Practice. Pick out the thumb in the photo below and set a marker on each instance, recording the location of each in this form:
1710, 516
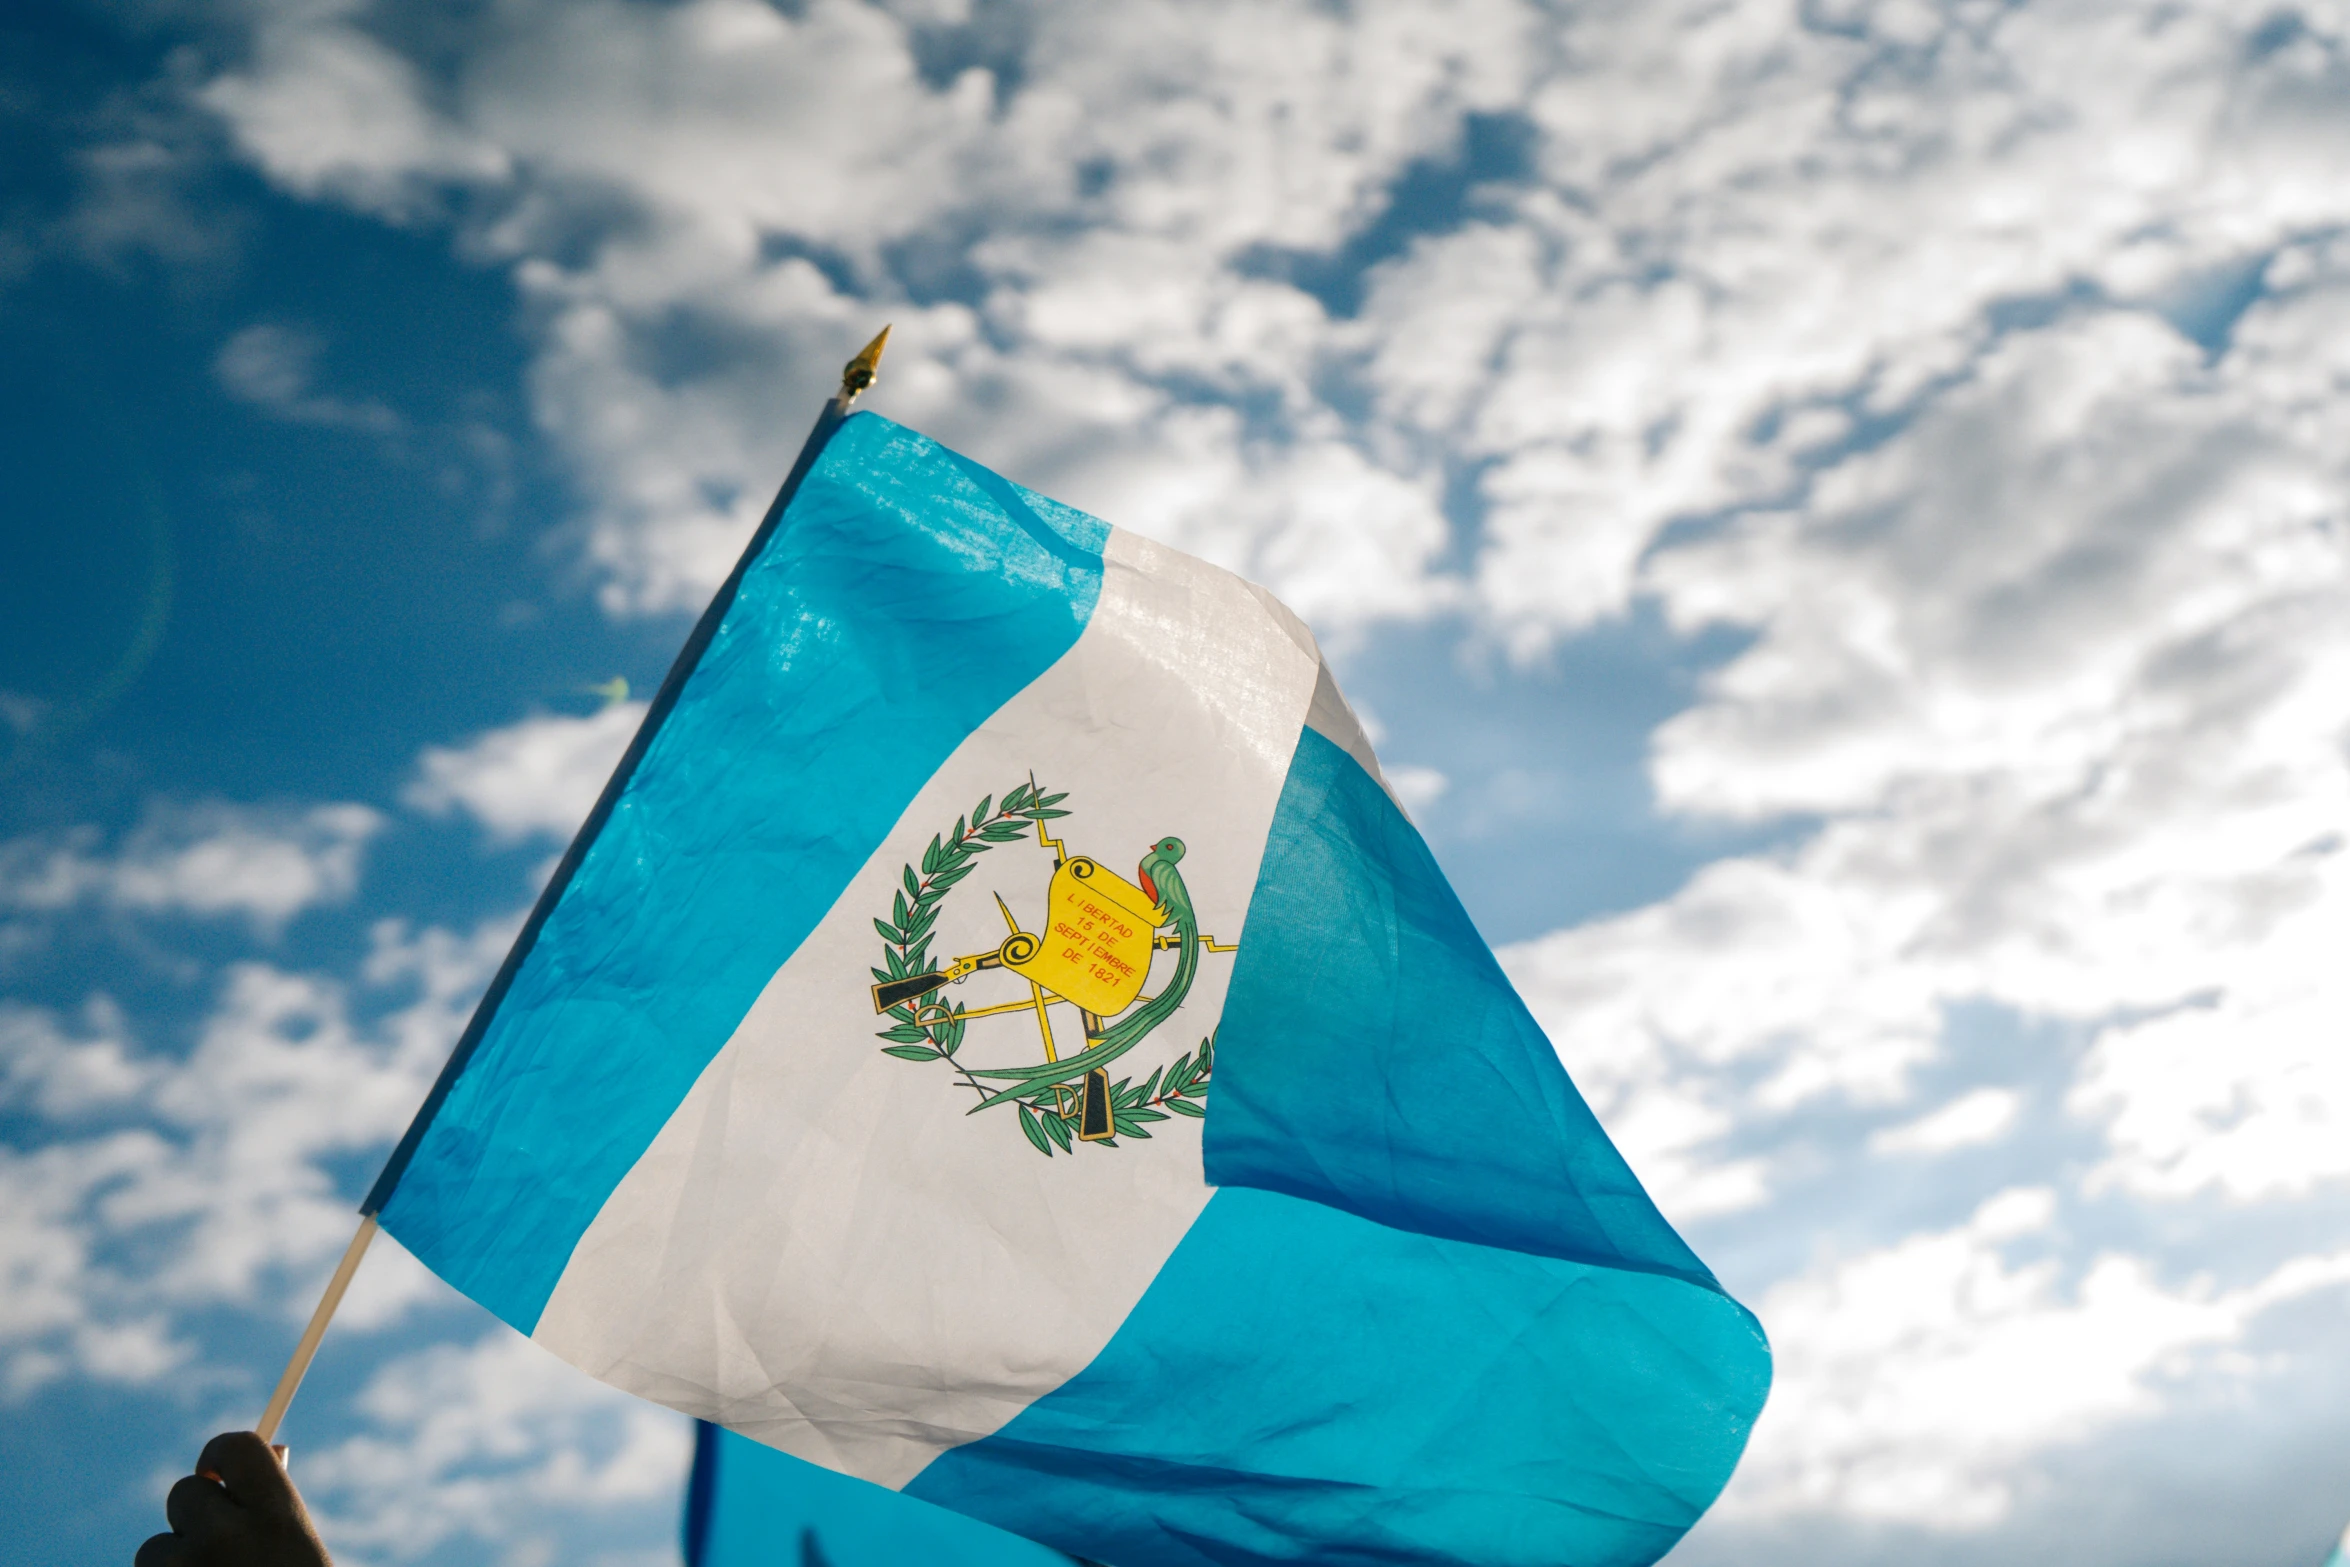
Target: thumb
252, 1474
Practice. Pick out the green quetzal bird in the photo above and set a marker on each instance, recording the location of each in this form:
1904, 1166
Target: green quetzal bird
1163, 884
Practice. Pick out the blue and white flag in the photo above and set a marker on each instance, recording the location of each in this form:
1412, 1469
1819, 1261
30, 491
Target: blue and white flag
999, 1037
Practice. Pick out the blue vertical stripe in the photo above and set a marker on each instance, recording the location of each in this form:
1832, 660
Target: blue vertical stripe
1374, 1056
904, 597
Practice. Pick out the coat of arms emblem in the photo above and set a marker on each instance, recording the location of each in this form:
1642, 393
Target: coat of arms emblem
1090, 955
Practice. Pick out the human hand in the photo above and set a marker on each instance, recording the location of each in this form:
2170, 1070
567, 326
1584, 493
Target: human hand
239, 1509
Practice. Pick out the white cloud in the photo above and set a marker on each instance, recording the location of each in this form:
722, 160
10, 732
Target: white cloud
50, 1322
1983, 1116
507, 1442
274, 368
541, 775
60, 1071
1915, 1382
1761, 986
327, 108
1418, 787
707, 146
2060, 669
144, 1191
146, 1187
1776, 227
2248, 1096
209, 860
1743, 229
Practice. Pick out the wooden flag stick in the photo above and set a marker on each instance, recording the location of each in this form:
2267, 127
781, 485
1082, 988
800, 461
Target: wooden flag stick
308, 1347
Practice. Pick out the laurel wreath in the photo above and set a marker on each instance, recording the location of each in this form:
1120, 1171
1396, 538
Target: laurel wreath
933, 1030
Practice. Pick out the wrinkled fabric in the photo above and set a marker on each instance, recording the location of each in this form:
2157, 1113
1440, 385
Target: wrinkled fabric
1382, 1292
900, 603
1430, 1314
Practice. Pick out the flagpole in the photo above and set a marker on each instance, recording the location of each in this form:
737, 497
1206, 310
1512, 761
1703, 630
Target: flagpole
307, 1346
855, 377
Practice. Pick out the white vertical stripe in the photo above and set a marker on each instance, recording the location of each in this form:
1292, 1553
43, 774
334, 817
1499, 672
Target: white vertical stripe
821, 1249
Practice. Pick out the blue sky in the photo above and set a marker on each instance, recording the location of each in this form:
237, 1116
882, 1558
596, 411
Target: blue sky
1835, 512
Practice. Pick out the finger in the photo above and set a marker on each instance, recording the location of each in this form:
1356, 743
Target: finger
198, 1508
254, 1477
162, 1550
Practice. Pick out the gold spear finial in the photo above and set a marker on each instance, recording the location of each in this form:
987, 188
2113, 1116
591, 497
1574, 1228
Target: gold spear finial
859, 372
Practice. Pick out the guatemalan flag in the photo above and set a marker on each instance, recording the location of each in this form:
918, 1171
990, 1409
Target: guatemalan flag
999, 1037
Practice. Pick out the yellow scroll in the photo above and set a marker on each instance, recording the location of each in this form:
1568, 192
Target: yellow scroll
1095, 945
